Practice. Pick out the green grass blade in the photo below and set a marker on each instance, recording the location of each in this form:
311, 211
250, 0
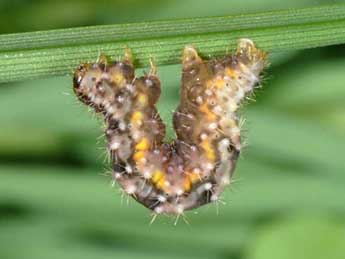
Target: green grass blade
33, 55
131, 31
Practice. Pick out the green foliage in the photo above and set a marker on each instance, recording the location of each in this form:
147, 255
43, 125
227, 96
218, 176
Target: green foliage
301, 238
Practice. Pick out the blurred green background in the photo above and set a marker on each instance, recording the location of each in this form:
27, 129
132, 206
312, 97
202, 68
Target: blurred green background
289, 197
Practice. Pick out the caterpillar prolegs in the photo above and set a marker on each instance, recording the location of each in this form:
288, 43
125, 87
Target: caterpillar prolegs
192, 170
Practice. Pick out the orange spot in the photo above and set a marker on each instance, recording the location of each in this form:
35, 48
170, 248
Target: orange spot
209, 115
206, 146
143, 144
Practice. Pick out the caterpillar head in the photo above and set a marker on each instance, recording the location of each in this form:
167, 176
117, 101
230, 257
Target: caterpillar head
101, 85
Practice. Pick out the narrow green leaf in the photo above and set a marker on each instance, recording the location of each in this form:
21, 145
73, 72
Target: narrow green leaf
40, 54
147, 30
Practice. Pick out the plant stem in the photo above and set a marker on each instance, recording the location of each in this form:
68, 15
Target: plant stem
45, 53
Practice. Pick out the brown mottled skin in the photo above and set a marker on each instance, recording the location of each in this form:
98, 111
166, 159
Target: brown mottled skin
170, 178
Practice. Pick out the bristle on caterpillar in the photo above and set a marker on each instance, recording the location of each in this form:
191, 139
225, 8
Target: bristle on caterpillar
170, 178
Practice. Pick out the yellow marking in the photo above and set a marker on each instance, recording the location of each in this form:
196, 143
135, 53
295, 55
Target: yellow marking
136, 117
143, 144
209, 115
118, 78
186, 184
157, 176
138, 155
193, 177
142, 99
158, 180
206, 146
229, 72
161, 184
219, 83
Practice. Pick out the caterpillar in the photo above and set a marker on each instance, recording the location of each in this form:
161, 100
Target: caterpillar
192, 170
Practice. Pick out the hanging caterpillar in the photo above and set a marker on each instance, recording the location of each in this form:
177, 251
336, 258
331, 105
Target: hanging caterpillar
192, 170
